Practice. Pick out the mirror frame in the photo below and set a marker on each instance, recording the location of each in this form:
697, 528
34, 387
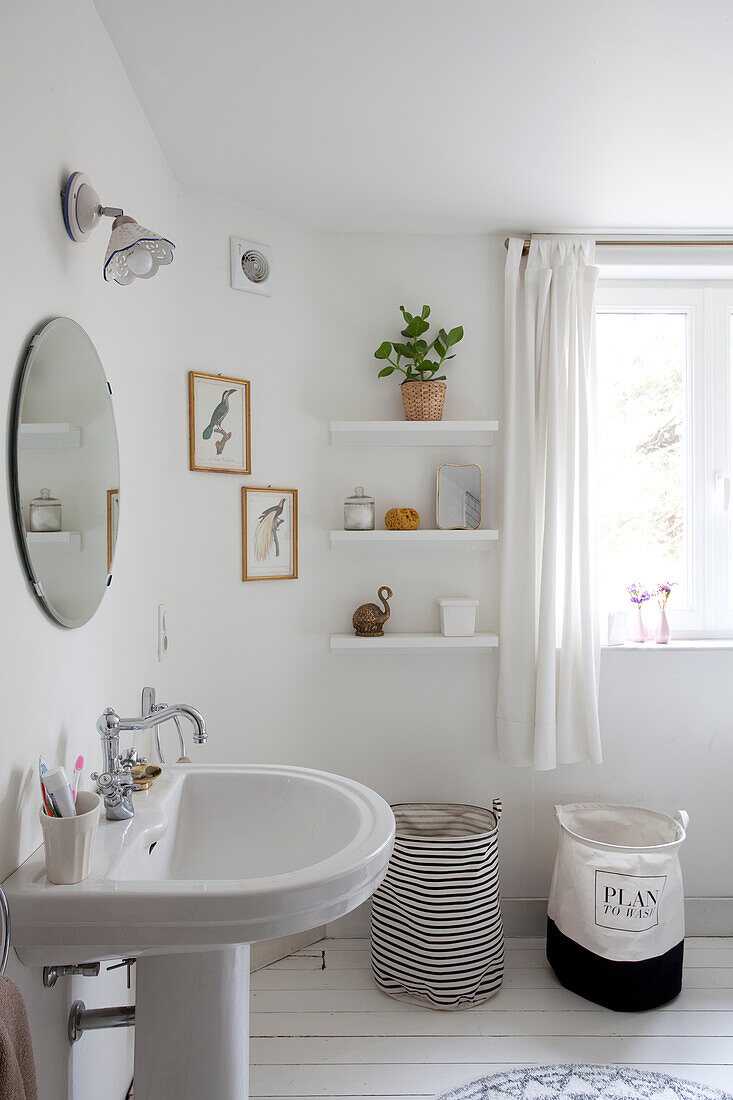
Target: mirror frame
20, 528
459, 465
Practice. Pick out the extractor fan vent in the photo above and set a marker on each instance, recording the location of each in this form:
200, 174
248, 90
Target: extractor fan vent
251, 267
255, 266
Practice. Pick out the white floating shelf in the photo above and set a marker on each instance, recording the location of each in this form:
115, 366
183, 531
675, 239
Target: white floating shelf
55, 541
413, 433
410, 643
412, 540
38, 436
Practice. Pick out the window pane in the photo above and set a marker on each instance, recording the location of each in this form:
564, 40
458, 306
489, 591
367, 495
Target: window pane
643, 453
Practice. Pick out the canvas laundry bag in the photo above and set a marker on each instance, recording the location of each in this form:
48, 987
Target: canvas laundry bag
615, 919
437, 937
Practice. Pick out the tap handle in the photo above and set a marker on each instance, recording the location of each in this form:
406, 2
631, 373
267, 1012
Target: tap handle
105, 783
129, 758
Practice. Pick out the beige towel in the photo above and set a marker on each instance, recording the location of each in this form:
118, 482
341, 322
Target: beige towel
17, 1071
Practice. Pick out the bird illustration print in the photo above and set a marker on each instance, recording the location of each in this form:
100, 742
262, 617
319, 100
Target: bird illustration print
214, 424
265, 536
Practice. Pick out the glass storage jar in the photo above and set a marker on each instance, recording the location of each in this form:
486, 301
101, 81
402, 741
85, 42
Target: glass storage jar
359, 511
45, 512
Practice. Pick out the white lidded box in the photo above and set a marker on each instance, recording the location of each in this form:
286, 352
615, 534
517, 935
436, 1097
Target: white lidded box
457, 616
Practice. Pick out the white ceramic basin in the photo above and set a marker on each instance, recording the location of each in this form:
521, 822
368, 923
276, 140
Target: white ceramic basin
215, 855
215, 858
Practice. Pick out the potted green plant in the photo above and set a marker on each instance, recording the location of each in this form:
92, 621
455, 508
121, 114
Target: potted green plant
423, 394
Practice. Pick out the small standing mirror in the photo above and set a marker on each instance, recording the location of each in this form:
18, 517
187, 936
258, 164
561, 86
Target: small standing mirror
458, 497
65, 472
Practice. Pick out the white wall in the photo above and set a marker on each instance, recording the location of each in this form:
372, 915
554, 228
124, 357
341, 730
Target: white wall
254, 657
269, 688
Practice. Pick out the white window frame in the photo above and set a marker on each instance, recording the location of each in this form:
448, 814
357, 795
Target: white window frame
708, 309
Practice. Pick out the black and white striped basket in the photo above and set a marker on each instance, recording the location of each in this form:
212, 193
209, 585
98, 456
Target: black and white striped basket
437, 937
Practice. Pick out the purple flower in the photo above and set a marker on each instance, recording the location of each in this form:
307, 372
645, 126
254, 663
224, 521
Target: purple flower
638, 594
662, 592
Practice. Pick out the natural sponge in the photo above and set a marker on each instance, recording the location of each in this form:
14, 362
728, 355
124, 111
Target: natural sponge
402, 519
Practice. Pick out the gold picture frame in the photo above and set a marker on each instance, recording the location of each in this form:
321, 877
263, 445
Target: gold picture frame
113, 511
213, 445
268, 527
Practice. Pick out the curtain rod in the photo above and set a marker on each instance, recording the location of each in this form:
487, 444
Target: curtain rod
644, 244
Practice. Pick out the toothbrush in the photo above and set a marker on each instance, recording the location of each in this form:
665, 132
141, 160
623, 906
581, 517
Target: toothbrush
78, 767
42, 769
48, 802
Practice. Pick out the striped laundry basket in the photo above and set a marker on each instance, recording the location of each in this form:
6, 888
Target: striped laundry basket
437, 937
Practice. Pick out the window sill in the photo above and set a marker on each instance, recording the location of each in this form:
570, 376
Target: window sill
676, 644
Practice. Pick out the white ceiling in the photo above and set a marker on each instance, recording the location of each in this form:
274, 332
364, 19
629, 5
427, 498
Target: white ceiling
443, 115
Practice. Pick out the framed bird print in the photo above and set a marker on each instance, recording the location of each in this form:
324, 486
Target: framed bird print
269, 534
218, 424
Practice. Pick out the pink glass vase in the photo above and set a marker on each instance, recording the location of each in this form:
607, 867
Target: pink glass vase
638, 631
661, 636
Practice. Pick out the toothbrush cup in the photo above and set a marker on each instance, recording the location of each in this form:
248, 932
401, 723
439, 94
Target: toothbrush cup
68, 842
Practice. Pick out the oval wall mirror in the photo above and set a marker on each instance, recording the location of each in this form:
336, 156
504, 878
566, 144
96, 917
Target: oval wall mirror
458, 497
65, 470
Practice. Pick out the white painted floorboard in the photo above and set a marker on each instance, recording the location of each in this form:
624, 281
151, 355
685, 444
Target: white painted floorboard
321, 1028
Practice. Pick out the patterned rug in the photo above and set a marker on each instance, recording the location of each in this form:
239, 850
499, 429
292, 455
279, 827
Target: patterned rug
582, 1083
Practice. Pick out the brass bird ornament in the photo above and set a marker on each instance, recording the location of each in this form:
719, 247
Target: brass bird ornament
369, 619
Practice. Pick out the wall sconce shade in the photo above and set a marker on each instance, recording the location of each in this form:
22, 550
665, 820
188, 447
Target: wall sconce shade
134, 252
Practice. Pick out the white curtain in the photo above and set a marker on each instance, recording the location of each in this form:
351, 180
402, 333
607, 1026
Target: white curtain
547, 711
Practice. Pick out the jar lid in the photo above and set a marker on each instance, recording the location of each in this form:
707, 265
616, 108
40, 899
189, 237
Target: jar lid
359, 497
45, 498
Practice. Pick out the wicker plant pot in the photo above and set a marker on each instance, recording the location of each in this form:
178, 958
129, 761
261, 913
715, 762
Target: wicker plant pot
423, 400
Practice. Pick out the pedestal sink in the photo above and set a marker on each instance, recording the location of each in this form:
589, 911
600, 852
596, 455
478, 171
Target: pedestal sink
215, 858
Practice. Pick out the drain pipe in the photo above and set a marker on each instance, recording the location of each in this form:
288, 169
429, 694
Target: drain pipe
83, 1019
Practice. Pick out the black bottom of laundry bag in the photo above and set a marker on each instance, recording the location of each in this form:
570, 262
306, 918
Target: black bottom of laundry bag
622, 986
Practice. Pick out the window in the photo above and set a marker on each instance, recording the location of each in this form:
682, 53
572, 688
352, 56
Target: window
664, 364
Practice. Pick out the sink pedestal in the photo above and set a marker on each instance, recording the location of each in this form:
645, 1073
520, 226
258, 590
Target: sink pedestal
192, 1025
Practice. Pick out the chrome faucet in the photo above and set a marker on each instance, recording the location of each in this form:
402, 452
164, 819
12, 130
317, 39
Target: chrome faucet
149, 706
115, 782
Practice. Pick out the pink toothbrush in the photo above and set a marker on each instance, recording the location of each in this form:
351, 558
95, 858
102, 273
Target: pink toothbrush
77, 772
